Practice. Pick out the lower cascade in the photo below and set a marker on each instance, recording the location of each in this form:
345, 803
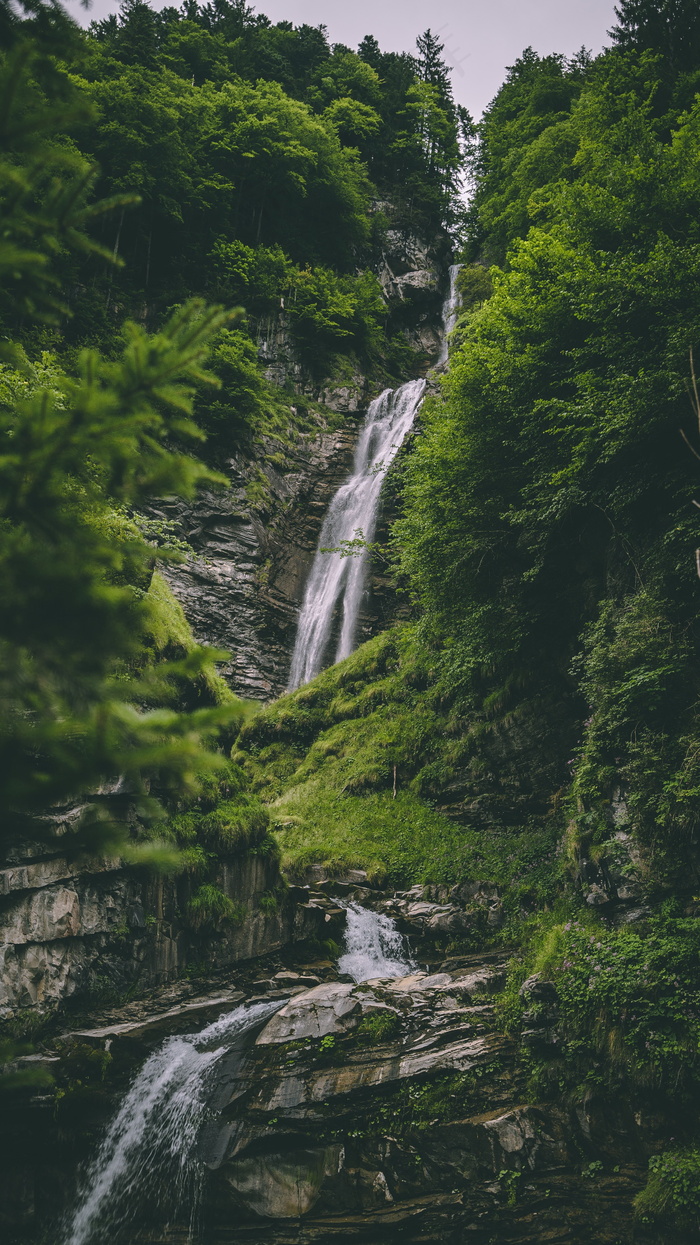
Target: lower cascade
373, 946
149, 1169
148, 1162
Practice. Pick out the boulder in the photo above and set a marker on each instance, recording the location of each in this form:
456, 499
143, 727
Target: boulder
538, 990
283, 1185
326, 1009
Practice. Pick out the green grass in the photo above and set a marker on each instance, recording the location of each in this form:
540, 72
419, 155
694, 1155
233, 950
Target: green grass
342, 765
401, 840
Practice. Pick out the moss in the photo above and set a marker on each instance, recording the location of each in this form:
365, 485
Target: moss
350, 763
171, 634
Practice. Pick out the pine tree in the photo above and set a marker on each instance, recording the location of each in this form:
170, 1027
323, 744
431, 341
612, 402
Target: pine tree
370, 52
432, 68
670, 27
82, 700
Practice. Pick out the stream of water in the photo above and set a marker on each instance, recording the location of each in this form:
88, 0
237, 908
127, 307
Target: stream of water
148, 1167
336, 584
330, 610
450, 311
373, 946
148, 1162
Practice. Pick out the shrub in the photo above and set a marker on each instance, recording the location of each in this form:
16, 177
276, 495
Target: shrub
672, 1190
210, 907
379, 1027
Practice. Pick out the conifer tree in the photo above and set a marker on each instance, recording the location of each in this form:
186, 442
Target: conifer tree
671, 27
432, 68
82, 700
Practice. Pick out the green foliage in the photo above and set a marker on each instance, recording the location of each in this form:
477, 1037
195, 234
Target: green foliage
474, 284
547, 533
68, 461
410, 1108
629, 1004
348, 765
670, 27
45, 189
509, 1181
210, 909
378, 1027
672, 1192
268, 903
96, 659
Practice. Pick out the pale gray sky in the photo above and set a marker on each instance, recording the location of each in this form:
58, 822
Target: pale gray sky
481, 37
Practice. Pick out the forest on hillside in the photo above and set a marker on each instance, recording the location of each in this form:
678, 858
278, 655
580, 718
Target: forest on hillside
169, 179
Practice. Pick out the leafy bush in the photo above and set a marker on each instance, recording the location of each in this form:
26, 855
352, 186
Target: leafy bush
629, 1000
672, 1191
378, 1027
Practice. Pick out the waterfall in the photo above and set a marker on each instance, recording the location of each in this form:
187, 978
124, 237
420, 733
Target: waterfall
148, 1161
335, 579
335, 587
373, 946
450, 311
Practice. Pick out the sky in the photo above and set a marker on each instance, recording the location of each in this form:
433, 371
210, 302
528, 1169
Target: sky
481, 37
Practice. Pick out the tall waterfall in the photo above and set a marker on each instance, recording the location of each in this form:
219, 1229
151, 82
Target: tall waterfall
148, 1162
373, 946
450, 312
336, 585
354, 508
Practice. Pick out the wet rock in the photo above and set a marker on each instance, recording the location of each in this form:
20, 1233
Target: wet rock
283, 1186
326, 1009
289, 978
151, 1029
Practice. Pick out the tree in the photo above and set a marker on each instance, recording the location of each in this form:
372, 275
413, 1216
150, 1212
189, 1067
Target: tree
431, 66
370, 52
670, 27
83, 702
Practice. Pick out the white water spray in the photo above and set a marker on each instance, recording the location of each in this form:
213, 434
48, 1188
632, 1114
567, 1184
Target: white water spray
450, 313
336, 584
373, 946
148, 1161
334, 579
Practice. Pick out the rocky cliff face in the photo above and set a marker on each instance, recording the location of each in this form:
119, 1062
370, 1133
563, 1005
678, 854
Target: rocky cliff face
66, 925
254, 542
86, 927
390, 1110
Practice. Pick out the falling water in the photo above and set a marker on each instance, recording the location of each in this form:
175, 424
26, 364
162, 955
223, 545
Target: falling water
373, 946
336, 585
353, 509
450, 311
148, 1162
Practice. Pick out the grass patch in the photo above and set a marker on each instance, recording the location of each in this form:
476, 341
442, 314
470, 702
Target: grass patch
347, 766
400, 839
673, 1190
209, 908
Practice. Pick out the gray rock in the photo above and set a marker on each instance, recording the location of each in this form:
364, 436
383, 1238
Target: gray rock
284, 1186
538, 990
151, 1029
326, 1009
